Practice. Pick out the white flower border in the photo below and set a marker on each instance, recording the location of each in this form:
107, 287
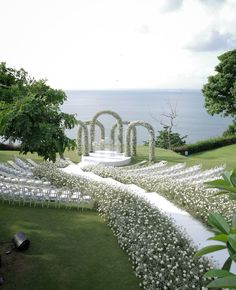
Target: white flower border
183, 186
162, 257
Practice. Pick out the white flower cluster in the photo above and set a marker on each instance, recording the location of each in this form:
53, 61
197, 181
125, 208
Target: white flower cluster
183, 186
162, 257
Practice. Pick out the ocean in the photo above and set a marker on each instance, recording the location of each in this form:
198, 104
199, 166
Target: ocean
150, 106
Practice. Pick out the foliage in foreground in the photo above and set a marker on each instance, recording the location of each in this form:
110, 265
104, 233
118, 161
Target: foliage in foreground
30, 114
224, 233
162, 257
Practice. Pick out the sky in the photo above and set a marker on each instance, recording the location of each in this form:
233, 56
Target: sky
117, 44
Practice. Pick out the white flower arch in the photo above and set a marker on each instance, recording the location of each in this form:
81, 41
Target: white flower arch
82, 127
120, 129
79, 134
133, 137
150, 129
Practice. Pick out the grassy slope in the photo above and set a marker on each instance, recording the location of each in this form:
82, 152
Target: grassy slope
9, 155
69, 250
224, 155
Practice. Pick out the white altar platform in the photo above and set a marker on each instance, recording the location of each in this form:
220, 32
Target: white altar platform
105, 157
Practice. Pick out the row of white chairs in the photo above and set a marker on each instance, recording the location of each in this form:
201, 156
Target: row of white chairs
22, 164
203, 176
5, 169
31, 180
155, 167
161, 170
45, 196
18, 185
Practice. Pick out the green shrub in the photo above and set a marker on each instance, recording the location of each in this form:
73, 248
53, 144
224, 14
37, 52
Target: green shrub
231, 130
208, 144
10, 147
168, 140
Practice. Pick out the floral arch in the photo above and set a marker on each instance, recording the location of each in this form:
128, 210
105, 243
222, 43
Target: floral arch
120, 129
133, 137
151, 138
100, 126
82, 127
79, 134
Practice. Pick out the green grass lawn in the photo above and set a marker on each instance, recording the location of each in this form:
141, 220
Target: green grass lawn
69, 250
9, 155
224, 155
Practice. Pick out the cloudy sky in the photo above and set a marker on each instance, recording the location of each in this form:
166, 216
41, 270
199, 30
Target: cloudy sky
117, 44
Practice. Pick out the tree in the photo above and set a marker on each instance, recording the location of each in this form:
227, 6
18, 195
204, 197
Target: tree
231, 130
30, 114
167, 138
220, 91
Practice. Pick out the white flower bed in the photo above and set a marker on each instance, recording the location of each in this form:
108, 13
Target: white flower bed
162, 257
184, 188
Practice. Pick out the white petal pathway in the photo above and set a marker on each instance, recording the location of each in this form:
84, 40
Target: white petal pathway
194, 229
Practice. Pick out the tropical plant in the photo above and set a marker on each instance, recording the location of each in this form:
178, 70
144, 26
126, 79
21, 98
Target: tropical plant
227, 185
224, 233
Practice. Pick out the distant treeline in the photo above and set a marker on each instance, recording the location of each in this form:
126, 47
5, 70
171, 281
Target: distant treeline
10, 147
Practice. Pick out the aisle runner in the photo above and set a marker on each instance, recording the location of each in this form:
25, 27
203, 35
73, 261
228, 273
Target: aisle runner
191, 227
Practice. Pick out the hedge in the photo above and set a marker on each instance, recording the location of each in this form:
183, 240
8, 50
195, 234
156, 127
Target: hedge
208, 144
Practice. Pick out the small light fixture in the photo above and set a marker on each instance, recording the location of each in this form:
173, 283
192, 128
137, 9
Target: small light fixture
21, 241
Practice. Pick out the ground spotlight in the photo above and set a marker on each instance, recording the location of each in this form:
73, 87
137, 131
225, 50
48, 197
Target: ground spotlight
21, 241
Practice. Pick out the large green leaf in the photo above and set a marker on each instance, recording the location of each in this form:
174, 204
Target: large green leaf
209, 249
232, 241
221, 184
221, 238
217, 273
233, 177
227, 264
227, 177
231, 251
218, 183
234, 221
232, 196
225, 282
217, 221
